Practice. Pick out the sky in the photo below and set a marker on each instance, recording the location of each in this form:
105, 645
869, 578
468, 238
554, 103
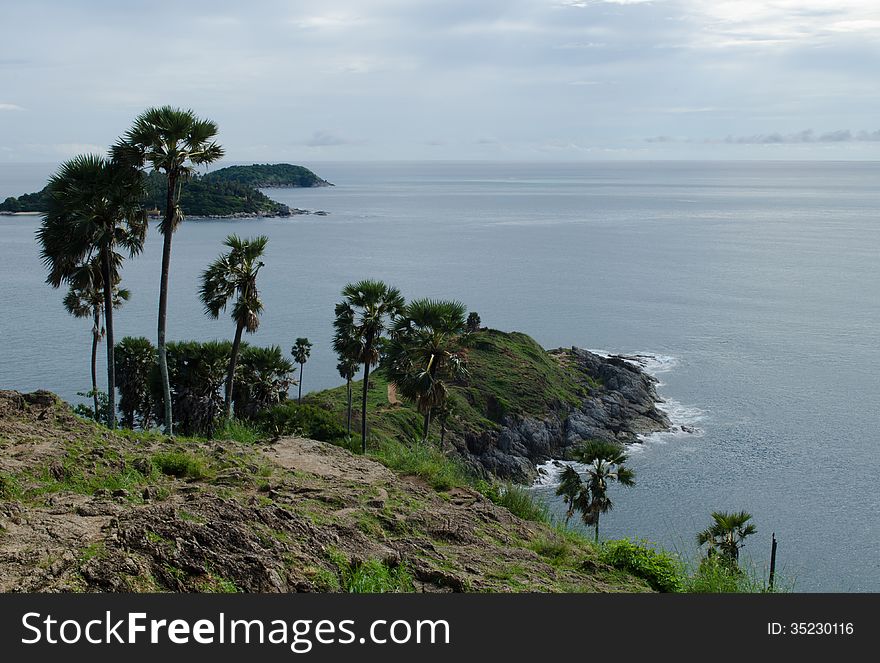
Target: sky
512, 80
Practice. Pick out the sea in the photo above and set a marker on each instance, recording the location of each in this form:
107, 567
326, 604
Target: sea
752, 289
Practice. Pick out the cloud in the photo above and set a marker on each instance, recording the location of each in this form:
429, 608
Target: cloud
327, 139
10, 107
806, 136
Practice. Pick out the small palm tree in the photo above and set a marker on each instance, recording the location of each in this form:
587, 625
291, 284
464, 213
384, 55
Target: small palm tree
347, 369
570, 487
726, 535
234, 274
473, 322
301, 351
173, 141
85, 299
361, 318
426, 354
604, 465
94, 209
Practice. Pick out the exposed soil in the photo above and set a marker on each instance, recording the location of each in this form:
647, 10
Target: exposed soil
276, 518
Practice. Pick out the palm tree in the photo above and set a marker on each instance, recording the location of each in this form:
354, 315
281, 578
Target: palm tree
605, 464
473, 322
570, 488
234, 274
727, 534
173, 141
85, 299
301, 350
426, 354
94, 208
361, 318
347, 369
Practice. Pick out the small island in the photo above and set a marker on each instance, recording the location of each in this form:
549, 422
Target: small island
231, 192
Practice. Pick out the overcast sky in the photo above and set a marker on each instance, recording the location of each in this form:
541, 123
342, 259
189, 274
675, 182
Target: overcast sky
451, 79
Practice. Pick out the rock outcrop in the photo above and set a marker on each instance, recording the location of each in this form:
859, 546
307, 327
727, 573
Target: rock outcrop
621, 405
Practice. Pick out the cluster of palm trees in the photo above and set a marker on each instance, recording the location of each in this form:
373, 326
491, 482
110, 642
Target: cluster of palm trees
423, 344
96, 213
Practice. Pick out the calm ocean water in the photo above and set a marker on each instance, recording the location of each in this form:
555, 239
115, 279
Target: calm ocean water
754, 284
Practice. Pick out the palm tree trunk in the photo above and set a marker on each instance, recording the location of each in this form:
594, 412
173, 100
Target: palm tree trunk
108, 324
348, 387
364, 404
597, 528
96, 331
427, 426
163, 303
230, 374
299, 397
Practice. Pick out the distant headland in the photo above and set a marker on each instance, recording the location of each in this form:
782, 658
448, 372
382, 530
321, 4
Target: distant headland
231, 192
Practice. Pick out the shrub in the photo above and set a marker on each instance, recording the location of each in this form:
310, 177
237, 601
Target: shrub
87, 410
304, 420
262, 379
660, 569
180, 464
197, 372
135, 358
520, 502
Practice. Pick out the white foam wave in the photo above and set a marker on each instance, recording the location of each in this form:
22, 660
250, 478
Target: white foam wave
684, 419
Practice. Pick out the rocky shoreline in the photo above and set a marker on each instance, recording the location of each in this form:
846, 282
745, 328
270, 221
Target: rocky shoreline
621, 406
282, 213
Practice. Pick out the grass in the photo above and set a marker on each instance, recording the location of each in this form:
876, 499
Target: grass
237, 430
370, 577
519, 501
425, 461
180, 464
509, 374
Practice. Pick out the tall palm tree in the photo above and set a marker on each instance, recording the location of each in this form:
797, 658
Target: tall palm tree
234, 274
362, 317
604, 465
301, 351
173, 141
94, 208
727, 534
347, 369
426, 353
85, 299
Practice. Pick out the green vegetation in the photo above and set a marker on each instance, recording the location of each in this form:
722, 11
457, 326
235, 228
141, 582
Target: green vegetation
291, 418
231, 190
604, 465
372, 576
301, 350
660, 569
725, 536
361, 319
85, 299
234, 274
506, 373
263, 176
425, 461
180, 464
519, 501
426, 355
93, 212
174, 142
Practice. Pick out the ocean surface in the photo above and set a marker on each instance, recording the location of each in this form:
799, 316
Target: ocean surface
754, 286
